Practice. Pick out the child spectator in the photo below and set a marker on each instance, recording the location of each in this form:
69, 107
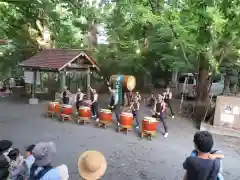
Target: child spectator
202, 166
18, 168
29, 157
92, 165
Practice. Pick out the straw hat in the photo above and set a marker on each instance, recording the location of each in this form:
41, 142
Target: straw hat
92, 165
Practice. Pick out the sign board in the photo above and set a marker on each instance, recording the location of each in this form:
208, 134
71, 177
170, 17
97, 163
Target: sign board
227, 112
28, 77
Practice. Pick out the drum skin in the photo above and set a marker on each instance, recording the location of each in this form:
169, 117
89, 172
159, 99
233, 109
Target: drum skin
66, 110
126, 120
104, 116
128, 81
54, 107
149, 126
85, 112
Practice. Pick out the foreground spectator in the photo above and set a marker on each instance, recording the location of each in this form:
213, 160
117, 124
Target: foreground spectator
92, 165
42, 168
202, 166
5, 147
18, 168
29, 157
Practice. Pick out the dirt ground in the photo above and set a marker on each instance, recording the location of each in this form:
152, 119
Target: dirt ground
128, 156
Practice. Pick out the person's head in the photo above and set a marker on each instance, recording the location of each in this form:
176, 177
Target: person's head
13, 154
159, 98
152, 95
94, 91
29, 150
92, 165
43, 153
5, 145
65, 88
78, 90
203, 141
137, 93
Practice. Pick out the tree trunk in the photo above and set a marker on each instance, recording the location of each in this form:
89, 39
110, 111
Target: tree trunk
226, 89
202, 90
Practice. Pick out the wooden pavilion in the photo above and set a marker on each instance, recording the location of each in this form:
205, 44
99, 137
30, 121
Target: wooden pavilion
60, 61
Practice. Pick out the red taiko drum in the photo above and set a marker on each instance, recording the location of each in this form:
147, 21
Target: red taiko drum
85, 112
126, 119
149, 124
54, 106
105, 115
66, 109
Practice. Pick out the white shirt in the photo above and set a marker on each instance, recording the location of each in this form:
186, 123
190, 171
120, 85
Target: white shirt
95, 97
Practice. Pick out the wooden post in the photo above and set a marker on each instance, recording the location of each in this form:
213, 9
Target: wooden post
34, 85
88, 83
62, 80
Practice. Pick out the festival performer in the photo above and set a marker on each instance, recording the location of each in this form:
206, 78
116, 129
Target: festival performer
114, 105
159, 112
94, 103
79, 99
151, 100
135, 106
167, 98
65, 96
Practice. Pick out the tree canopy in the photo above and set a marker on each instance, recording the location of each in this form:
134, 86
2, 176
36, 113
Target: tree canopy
144, 36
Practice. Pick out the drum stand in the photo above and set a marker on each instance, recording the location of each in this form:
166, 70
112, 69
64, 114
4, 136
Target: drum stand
124, 128
103, 124
50, 114
148, 134
65, 117
83, 120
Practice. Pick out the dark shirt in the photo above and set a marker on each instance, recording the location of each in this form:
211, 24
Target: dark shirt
159, 107
201, 169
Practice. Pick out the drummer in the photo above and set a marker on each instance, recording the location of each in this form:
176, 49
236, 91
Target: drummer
151, 100
137, 95
114, 105
79, 99
135, 110
65, 96
94, 103
167, 98
159, 112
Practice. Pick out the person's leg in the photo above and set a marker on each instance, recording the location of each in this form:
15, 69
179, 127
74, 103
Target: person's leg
96, 109
93, 110
161, 117
170, 107
136, 118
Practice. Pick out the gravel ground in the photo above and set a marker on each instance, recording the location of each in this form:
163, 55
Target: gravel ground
128, 156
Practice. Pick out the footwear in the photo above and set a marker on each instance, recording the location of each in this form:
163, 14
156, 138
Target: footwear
97, 120
165, 135
118, 124
93, 116
137, 127
172, 117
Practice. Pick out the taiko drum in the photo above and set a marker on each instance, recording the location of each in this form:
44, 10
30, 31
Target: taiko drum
54, 107
149, 124
85, 112
105, 115
66, 109
126, 119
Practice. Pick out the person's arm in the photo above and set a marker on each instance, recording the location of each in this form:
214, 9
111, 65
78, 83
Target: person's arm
91, 89
216, 156
139, 97
170, 95
164, 95
131, 105
154, 107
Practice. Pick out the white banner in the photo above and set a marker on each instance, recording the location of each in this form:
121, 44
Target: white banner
28, 77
